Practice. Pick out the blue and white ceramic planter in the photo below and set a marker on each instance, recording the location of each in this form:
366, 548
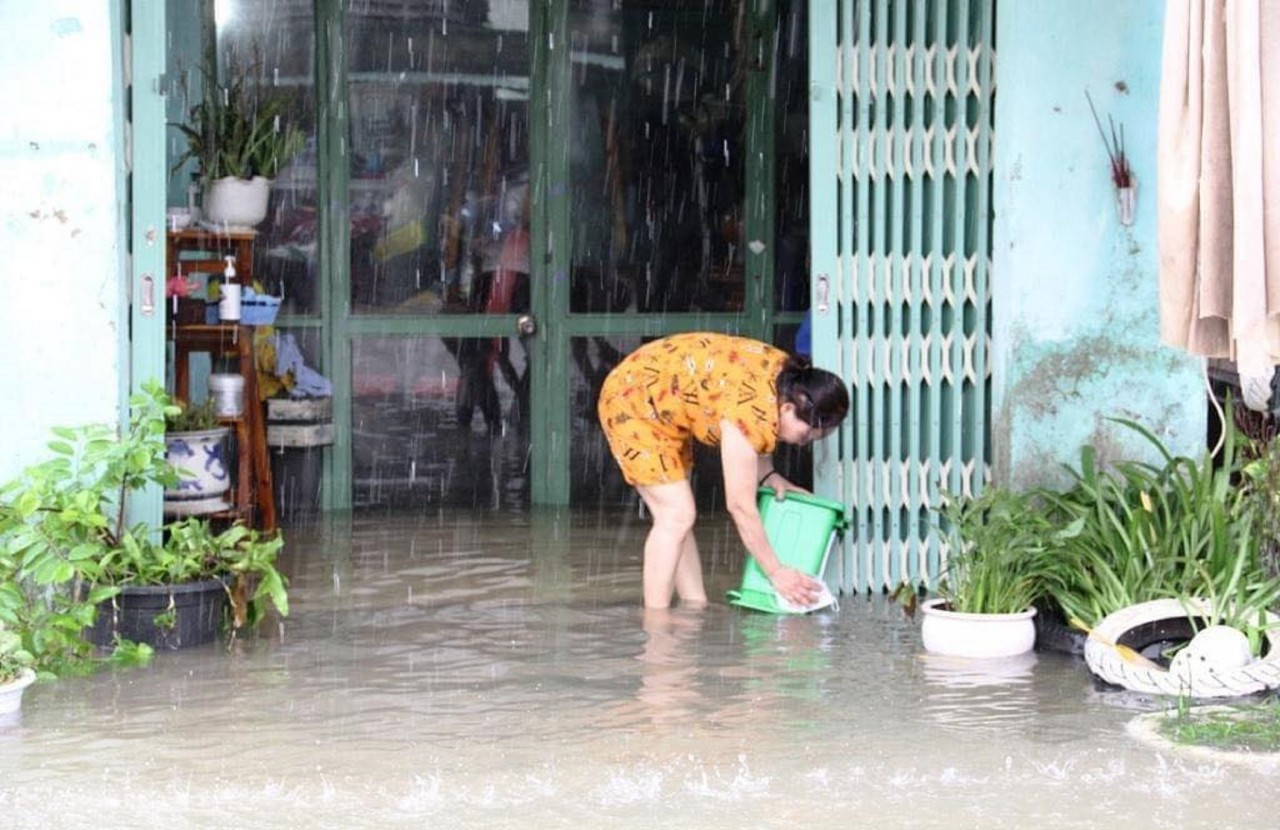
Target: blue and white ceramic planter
203, 482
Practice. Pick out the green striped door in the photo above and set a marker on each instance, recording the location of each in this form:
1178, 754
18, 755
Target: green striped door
902, 95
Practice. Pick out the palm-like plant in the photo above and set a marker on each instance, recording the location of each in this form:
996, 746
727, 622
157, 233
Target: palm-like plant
999, 546
1150, 531
240, 130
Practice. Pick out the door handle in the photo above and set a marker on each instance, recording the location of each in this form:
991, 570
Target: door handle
526, 324
148, 304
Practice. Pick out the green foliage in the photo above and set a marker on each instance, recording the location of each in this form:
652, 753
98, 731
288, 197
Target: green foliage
1177, 528
240, 130
59, 519
1240, 728
128, 654
64, 547
1000, 545
1261, 477
14, 657
188, 417
193, 551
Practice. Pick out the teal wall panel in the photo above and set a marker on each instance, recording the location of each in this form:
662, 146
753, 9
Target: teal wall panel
63, 321
1075, 320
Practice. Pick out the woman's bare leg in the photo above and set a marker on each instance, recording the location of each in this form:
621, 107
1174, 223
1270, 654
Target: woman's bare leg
671, 558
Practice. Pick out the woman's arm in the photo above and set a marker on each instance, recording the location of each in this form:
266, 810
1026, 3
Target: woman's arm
741, 466
767, 476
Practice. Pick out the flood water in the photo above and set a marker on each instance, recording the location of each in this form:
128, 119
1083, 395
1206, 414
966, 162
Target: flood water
461, 670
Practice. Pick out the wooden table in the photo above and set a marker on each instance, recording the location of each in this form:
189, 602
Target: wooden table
208, 249
254, 498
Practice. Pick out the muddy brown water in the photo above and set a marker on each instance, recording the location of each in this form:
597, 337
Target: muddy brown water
495, 670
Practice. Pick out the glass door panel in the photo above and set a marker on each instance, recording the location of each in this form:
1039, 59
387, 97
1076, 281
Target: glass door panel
439, 159
655, 156
438, 199
427, 424
431, 260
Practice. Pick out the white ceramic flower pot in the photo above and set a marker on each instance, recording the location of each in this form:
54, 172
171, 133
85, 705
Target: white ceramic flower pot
976, 635
11, 692
237, 202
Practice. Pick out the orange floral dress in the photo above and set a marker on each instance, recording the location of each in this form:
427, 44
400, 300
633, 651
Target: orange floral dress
672, 391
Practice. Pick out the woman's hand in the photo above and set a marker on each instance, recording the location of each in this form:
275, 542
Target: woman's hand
781, 486
795, 587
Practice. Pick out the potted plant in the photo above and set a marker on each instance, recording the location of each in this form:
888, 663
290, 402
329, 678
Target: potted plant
16, 672
997, 546
194, 445
64, 546
177, 592
240, 137
60, 517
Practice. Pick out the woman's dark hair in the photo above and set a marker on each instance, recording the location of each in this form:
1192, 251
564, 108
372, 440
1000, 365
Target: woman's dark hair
820, 397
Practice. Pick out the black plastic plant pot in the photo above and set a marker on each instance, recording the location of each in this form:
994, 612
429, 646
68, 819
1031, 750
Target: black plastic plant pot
162, 616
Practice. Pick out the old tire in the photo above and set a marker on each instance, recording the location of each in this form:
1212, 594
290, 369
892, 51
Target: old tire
1157, 619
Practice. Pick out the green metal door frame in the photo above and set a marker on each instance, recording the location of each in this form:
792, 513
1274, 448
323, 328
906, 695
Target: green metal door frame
334, 242
550, 245
144, 179
549, 251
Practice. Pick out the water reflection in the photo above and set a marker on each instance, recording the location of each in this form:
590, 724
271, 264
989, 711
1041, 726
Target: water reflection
969, 694
669, 684
497, 670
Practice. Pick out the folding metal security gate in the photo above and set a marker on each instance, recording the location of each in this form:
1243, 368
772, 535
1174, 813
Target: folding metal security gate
902, 95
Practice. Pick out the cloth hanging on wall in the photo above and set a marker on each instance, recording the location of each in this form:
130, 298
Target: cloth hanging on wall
1218, 188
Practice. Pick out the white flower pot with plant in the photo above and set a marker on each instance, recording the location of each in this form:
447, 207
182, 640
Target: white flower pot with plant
241, 138
997, 545
16, 673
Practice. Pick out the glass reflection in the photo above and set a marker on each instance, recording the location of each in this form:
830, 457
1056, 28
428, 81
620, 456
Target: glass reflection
438, 105
276, 46
432, 424
656, 136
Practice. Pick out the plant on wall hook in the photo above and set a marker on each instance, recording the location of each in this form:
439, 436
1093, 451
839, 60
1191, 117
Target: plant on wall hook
1121, 173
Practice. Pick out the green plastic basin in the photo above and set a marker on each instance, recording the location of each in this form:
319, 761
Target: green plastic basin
800, 528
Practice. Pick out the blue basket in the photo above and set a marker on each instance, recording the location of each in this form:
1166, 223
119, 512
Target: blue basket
255, 310
259, 310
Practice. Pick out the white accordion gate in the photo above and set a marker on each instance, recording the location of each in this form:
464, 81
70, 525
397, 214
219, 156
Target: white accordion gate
902, 93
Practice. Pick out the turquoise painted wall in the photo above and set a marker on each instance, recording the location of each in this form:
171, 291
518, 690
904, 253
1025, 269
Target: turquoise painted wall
61, 223
1075, 317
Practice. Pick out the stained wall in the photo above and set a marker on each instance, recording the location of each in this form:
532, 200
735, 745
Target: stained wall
1075, 316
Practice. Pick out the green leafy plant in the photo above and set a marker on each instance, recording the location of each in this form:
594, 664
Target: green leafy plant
1261, 478
239, 130
1147, 531
193, 551
192, 417
1241, 728
61, 517
999, 547
14, 657
64, 546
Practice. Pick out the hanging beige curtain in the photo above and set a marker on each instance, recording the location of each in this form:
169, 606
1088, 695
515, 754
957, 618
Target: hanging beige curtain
1218, 188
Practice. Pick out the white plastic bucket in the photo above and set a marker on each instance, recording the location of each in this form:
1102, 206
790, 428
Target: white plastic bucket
227, 392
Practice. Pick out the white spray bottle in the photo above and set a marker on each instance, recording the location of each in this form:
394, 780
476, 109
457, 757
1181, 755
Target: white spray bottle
229, 305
